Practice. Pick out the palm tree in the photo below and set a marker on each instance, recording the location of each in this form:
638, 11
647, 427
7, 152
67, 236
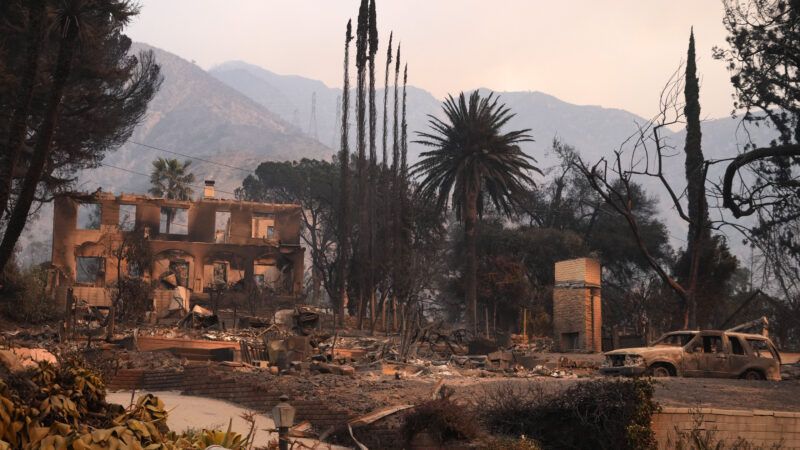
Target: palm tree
471, 159
171, 179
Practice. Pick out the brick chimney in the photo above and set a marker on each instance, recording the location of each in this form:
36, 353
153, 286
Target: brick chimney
577, 309
208, 191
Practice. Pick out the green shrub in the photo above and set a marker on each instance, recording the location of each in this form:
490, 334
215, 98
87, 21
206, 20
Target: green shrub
702, 438
24, 296
64, 407
135, 300
507, 443
601, 414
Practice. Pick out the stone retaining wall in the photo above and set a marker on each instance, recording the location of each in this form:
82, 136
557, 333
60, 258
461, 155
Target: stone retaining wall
205, 381
764, 429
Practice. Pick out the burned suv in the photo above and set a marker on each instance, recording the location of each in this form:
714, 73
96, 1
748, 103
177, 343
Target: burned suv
719, 354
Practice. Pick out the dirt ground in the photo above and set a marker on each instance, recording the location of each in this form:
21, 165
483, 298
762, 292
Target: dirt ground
368, 392
683, 392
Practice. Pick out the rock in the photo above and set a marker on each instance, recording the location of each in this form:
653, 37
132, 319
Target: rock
10, 361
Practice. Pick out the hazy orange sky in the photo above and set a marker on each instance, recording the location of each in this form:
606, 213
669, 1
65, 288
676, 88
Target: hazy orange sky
615, 54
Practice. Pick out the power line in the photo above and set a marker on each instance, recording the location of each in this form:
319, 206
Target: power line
152, 147
148, 176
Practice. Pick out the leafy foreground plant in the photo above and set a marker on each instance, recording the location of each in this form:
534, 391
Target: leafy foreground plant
64, 407
701, 437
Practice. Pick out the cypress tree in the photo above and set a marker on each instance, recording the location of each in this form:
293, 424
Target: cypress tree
386, 97
699, 232
395, 140
384, 190
397, 245
344, 200
404, 133
361, 109
373, 183
403, 213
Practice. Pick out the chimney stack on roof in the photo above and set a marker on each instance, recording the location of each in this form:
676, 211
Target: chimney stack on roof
208, 191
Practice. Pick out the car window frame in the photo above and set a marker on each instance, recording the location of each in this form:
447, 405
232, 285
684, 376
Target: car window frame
746, 350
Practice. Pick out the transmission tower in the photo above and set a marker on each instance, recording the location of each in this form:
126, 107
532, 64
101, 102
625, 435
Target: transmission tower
312, 121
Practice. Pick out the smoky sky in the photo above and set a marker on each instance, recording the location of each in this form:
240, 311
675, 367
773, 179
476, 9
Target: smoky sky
617, 54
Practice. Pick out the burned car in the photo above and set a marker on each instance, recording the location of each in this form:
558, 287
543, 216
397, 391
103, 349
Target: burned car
718, 354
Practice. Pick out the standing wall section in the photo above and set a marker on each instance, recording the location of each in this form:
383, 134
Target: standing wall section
577, 305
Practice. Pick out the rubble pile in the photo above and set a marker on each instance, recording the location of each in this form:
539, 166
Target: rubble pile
292, 342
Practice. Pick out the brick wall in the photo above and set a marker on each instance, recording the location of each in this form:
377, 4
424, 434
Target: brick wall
761, 428
577, 305
582, 270
210, 382
569, 311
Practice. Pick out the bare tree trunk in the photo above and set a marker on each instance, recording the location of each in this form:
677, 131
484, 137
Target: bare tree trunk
471, 270
112, 313
394, 313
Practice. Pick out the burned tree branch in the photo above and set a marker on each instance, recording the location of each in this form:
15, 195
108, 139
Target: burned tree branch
738, 205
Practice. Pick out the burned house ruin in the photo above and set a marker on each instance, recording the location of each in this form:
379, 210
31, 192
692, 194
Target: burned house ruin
197, 247
577, 310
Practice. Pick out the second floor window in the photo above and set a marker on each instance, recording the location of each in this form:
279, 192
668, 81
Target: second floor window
262, 224
174, 221
127, 217
88, 216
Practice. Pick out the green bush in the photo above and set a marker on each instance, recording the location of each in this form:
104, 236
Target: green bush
702, 438
600, 414
64, 407
135, 300
24, 296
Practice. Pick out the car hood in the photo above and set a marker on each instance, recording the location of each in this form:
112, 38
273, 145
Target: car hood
646, 351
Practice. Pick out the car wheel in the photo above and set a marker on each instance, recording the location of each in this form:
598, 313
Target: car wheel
753, 375
660, 371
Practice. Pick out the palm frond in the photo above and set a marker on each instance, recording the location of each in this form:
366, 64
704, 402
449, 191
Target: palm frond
469, 150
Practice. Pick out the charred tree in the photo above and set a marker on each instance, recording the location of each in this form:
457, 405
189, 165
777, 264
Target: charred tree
362, 254
9, 156
344, 199
372, 169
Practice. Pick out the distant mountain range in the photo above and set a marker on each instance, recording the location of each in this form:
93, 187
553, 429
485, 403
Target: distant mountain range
239, 114
195, 114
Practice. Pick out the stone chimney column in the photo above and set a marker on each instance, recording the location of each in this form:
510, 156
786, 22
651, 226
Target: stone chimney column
577, 308
208, 191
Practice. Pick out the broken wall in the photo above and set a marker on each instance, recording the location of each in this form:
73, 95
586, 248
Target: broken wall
194, 255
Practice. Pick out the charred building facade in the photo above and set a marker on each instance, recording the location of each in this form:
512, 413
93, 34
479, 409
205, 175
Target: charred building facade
197, 247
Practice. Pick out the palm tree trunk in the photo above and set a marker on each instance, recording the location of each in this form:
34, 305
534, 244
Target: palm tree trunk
16, 136
44, 141
170, 213
471, 272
